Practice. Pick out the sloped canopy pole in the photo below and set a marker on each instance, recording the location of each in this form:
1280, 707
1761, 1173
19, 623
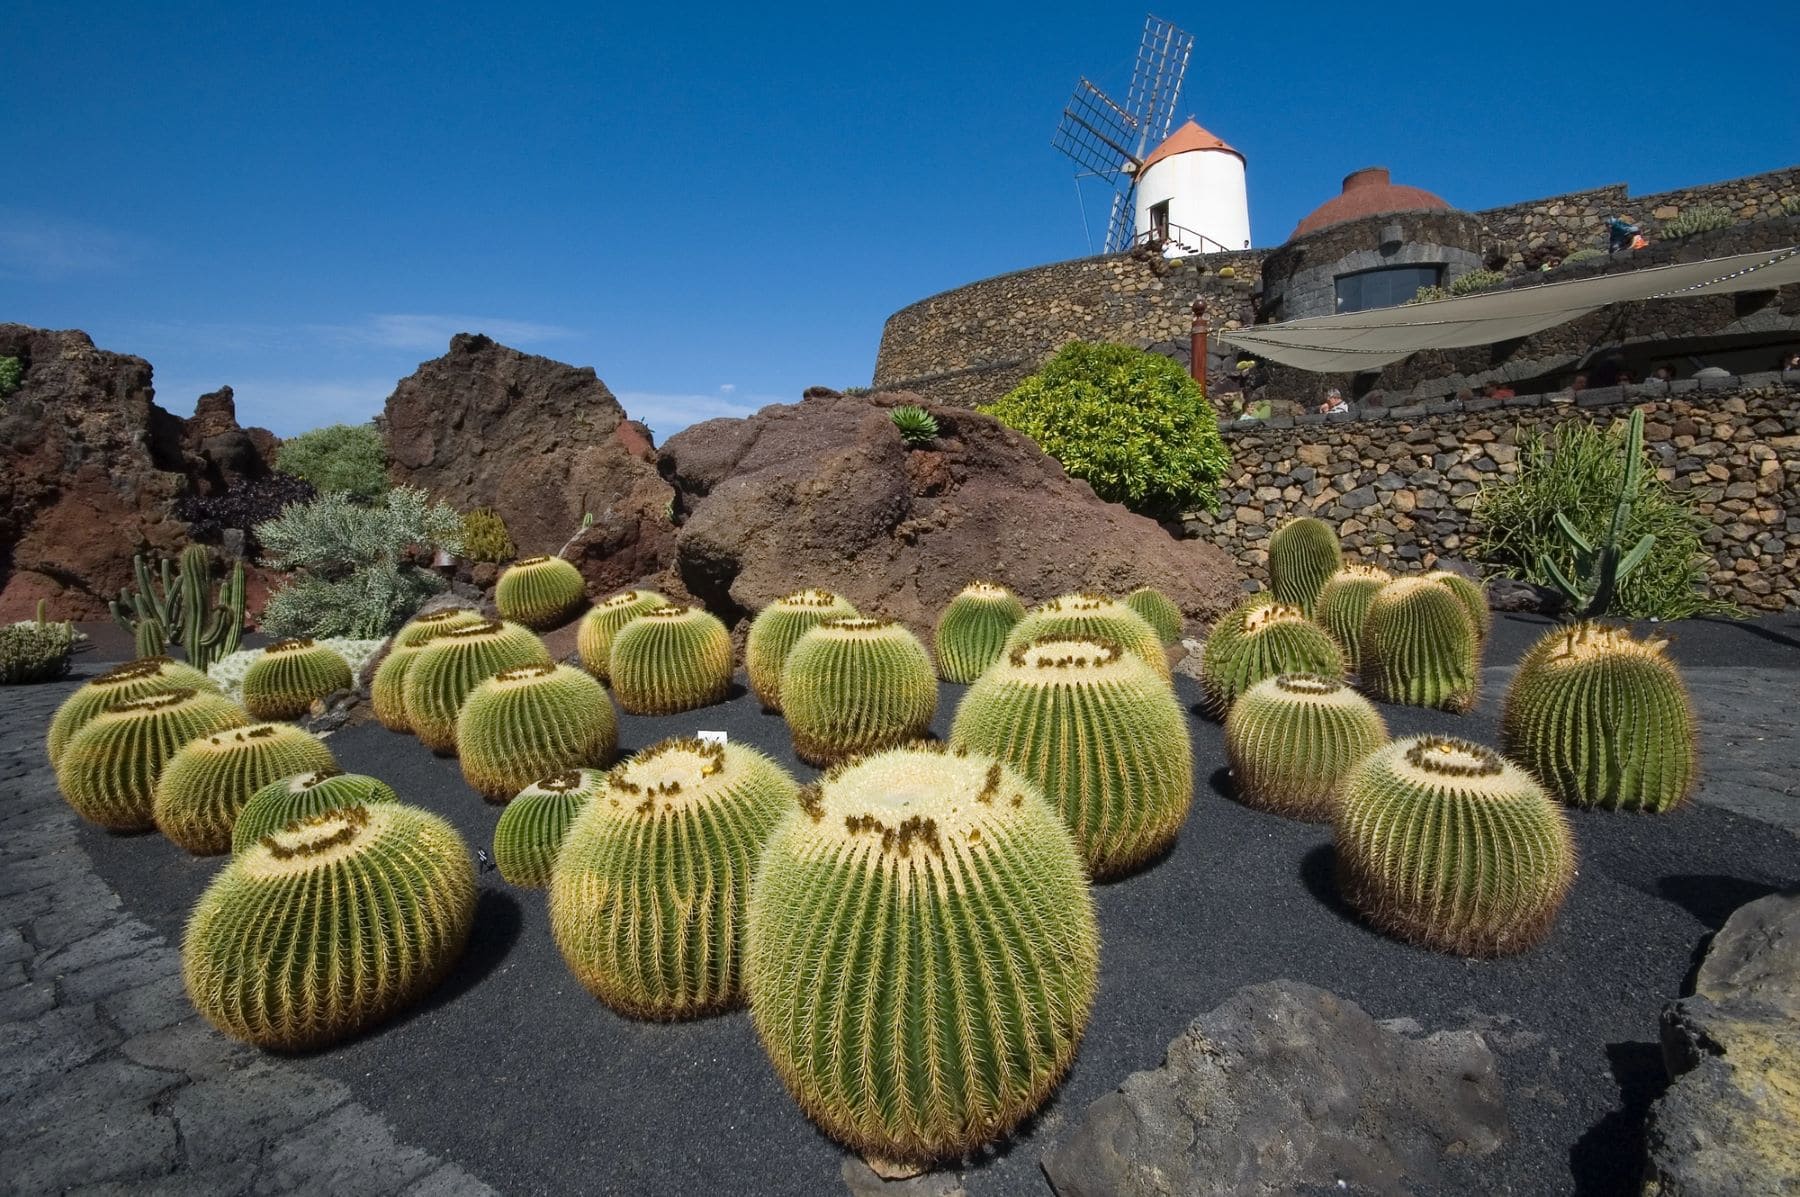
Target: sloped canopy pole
1197, 345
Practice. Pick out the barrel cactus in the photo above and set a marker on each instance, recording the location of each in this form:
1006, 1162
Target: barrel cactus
1303, 554
1258, 640
1447, 844
452, 665
670, 660
1470, 595
532, 827
775, 631
647, 896
330, 924
146, 675
1420, 647
1092, 617
290, 676
539, 592
856, 685
109, 768
1291, 738
924, 914
594, 638
1602, 719
1158, 610
1344, 604
387, 690
971, 633
1098, 732
210, 779
301, 797
530, 721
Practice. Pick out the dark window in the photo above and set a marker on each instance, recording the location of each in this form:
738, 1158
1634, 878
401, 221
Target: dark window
1159, 220
1384, 288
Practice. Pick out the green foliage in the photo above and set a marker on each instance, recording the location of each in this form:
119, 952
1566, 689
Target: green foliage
540, 592
1091, 617
670, 660
1344, 603
917, 426
1586, 253
1790, 205
971, 633
856, 685
1158, 610
108, 769
1420, 647
146, 675
532, 828
348, 458
1427, 294
485, 538
35, 650
387, 689
449, 668
1303, 554
529, 722
1702, 218
355, 578
303, 796
12, 375
170, 607
210, 779
775, 631
290, 676
1129, 422
1291, 738
1258, 639
1476, 280
593, 639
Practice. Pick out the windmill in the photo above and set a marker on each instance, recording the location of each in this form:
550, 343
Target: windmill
1108, 140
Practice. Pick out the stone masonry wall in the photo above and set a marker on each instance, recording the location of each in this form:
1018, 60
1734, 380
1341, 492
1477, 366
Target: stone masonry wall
1399, 485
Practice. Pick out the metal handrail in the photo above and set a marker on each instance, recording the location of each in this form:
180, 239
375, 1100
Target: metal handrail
1161, 238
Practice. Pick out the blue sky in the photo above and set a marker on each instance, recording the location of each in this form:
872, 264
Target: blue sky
718, 206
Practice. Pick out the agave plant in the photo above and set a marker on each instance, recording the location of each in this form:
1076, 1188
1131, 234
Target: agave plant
916, 425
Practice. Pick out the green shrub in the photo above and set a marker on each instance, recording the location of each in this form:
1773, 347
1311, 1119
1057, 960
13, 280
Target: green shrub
353, 576
1585, 254
1579, 472
342, 457
1427, 295
1132, 424
1476, 280
1702, 218
12, 375
35, 651
485, 538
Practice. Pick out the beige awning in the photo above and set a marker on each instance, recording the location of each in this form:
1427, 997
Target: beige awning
1369, 340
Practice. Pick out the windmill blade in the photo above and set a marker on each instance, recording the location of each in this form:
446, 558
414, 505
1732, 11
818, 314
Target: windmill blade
1124, 217
1096, 132
1156, 79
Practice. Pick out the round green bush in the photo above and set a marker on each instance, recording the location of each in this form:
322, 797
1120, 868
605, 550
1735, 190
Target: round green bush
1419, 646
303, 796
1291, 738
1257, 640
534, 824
1092, 617
670, 660
210, 779
341, 457
531, 721
290, 676
109, 768
147, 675
387, 690
1158, 610
448, 668
540, 592
1344, 604
594, 638
1303, 554
856, 685
775, 631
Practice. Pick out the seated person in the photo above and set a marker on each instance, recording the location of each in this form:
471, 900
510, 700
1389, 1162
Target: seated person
1334, 404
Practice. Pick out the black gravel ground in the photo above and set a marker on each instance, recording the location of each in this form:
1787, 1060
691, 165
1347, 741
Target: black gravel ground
514, 1072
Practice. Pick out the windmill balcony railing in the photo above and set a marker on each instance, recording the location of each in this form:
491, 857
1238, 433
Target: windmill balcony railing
1185, 240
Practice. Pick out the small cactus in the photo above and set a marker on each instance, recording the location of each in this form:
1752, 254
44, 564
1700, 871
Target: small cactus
1419, 646
303, 796
598, 627
1602, 719
1344, 604
290, 676
1158, 610
452, 665
210, 779
670, 660
971, 633
539, 592
387, 690
1303, 554
1471, 596
534, 824
1291, 738
775, 631
1449, 845
530, 721
146, 675
1092, 617
924, 915
109, 768
329, 925
856, 685
1259, 639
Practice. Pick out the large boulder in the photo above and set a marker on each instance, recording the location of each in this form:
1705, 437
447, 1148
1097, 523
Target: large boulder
825, 493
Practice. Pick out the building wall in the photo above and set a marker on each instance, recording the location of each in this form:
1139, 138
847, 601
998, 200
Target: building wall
1299, 279
1206, 194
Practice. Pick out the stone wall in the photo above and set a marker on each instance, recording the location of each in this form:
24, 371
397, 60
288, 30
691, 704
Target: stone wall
1400, 485
1300, 278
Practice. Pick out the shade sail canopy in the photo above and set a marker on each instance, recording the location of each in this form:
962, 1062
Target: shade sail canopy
1369, 340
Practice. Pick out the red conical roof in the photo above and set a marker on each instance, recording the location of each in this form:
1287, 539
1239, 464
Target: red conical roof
1189, 137
1368, 192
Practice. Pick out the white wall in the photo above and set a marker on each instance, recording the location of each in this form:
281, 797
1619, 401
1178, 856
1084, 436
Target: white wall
1205, 190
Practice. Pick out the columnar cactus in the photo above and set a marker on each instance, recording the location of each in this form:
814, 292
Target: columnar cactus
1420, 647
1099, 733
146, 675
1471, 596
593, 639
1092, 617
210, 779
1603, 720
290, 676
1158, 610
647, 896
452, 665
1344, 604
922, 952
971, 633
534, 824
856, 685
775, 631
1449, 845
387, 690
670, 660
1303, 554
1291, 738
303, 796
1258, 640
109, 768
329, 925
539, 592
530, 721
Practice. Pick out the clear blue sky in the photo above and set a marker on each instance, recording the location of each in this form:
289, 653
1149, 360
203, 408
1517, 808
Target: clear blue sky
718, 206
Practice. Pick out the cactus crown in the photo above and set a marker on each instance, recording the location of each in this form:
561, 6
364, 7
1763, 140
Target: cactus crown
151, 702
678, 772
1432, 758
983, 589
917, 798
672, 612
1401, 588
624, 598
302, 782
537, 560
809, 599
1589, 641
311, 841
131, 671
487, 627
1309, 685
1373, 573
856, 625
1048, 656
225, 741
442, 615
292, 644
568, 781
520, 674
1268, 616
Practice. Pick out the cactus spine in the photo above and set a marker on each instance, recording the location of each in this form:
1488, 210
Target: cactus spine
775, 631
1099, 734
1470, 595
1449, 845
387, 690
452, 665
922, 952
1257, 640
1290, 739
1419, 646
670, 660
1158, 610
856, 685
290, 676
1092, 617
647, 896
971, 633
303, 796
146, 675
530, 721
598, 627
210, 779
1603, 720
109, 768
179, 607
1303, 554
539, 592
1344, 604
534, 824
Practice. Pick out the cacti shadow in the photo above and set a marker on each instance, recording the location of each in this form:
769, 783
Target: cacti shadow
1638, 1070
1318, 872
1709, 897
498, 923
1220, 780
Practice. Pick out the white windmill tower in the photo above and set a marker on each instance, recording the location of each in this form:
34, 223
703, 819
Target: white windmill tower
1184, 191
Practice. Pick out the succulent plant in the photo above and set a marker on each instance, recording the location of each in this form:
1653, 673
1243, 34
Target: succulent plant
1702, 218
917, 426
1419, 646
1158, 610
210, 779
534, 824
925, 915
485, 538
329, 925
1469, 282
1602, 719
1303, 554
387, 690
775, 631
171, 607
669, 660
856, 685
530, 721
290, 676
109, 768
647, 896
452, 665
1447, 844
598, 627
971, 633
302, 796
539, 592
1470, 595
1099, 733
419, 632
1291, 738
1259, 639
1092, 617
146, 675
1344, 604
